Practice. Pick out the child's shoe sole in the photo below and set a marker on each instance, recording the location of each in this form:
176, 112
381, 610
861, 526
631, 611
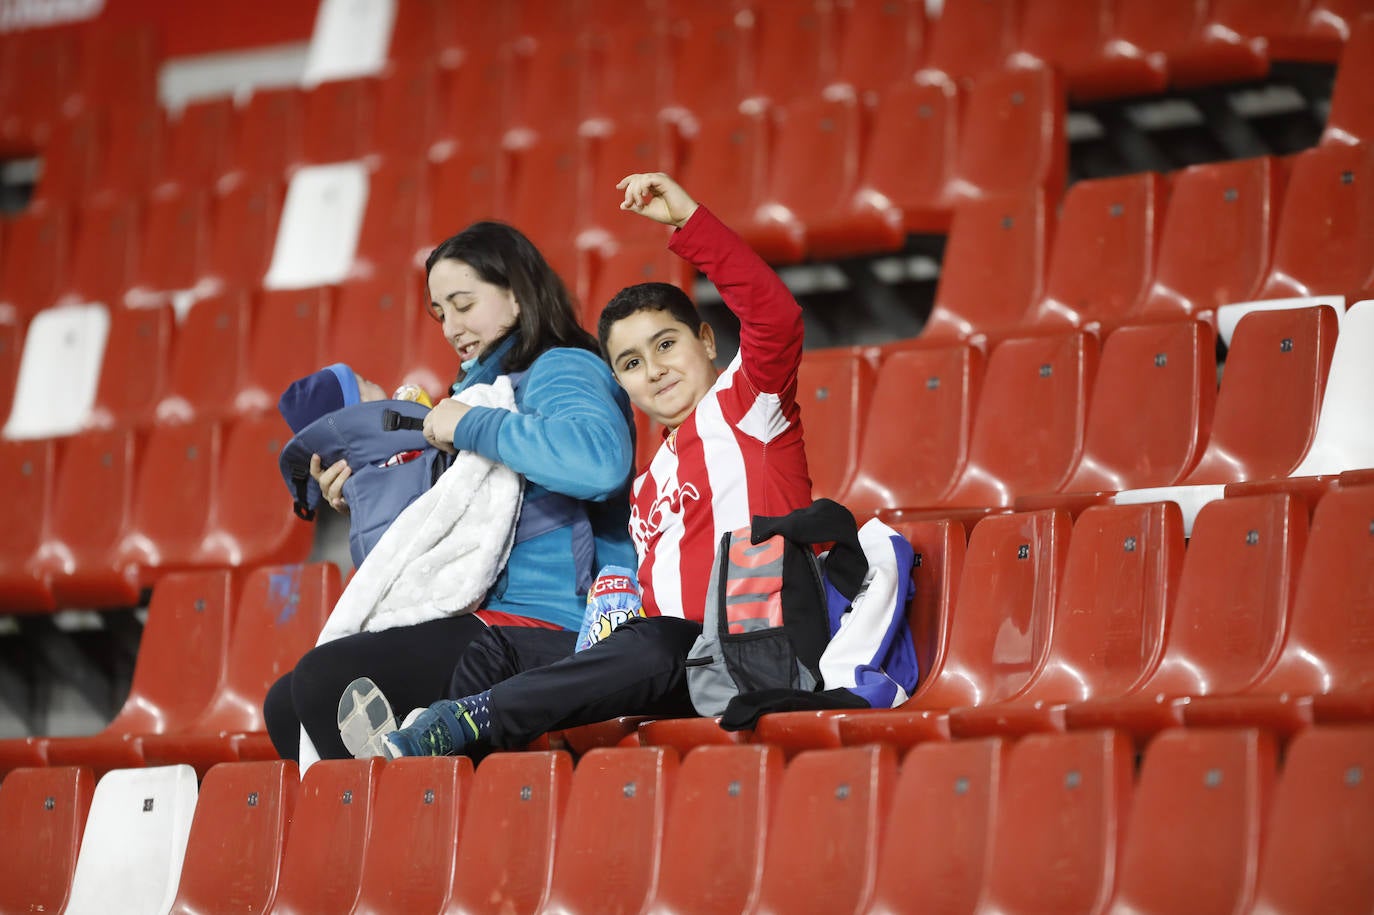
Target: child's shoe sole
365, 718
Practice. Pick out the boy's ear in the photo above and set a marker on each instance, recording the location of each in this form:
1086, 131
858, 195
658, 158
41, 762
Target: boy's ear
707, 336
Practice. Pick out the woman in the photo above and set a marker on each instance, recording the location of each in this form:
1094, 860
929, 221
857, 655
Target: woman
505, 312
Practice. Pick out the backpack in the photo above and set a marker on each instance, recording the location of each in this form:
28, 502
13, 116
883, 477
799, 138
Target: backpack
781, 624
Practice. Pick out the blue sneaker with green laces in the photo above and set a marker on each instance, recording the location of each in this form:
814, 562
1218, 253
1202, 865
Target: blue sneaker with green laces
445, 728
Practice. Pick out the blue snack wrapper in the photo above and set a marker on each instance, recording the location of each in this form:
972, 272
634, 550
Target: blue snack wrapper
612, 599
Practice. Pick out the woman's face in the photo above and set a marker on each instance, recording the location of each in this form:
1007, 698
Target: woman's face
474, 313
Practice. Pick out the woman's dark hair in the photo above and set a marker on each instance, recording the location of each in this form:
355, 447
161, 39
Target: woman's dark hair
500, 255
646, 297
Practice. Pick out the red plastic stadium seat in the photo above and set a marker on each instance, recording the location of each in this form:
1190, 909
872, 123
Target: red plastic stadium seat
1110, 618
1217, 237
1350, 120
134, 370
933, 392
629, 147
718, 825
37, 250
118, 62
106, 251
11, 354
413, 842
971, 302
832, 809
1013, 136
1104, 251
1080, 782
1228, 45
510, 829
643, 262
794, 54
686, 734
631, 65
176, 240
233, 854
1072, 36
290, 335
545, 198
245, 229
38, 73
336, 120
903, 176
881, 43
178, 477
939, 833
198, 143
940, 547
1152, 406
91, 514
181, 662
1325, 243
1321, 826
42, 815
464, 188
1144, 35
475, 101
1230, 616
610, 839
396, 222
208, 359
270, 136
365, 306
1319, 655
816, 161
1270, 397
28, 469
328, 835
834, 388
1198, 823
72, 159
406, 114
131, 160
552, 59
428, 30
972, 37
712, 55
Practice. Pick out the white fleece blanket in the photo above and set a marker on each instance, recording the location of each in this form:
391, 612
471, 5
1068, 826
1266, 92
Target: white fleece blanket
440, 555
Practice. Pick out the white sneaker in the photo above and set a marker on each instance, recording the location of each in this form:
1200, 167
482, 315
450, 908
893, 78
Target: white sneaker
365, 718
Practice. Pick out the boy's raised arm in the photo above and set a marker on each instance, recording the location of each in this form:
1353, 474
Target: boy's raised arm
770, 318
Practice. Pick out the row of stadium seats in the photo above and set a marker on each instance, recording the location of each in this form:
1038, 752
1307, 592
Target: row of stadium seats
1037, 623
1209, 824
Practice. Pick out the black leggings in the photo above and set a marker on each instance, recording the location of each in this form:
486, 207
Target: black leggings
412, 665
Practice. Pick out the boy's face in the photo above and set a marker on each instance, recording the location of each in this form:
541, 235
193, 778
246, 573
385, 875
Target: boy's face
664, 367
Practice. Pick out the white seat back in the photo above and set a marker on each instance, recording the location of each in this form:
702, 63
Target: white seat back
59, 371
351, 39
1344, 439
320, 221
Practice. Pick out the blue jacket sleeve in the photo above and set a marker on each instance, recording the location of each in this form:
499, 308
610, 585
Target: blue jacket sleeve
572, 434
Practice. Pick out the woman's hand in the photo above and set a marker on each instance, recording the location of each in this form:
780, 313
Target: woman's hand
658, 197
441, 421
331, 481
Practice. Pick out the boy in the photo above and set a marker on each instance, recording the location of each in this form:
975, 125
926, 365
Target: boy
732, 449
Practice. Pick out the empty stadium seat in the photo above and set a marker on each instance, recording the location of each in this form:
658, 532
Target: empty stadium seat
920, 395
822, 849
199, 142
92, 512
972, 37
685, 734
1217, 236
1072, 37
794, 49
717, 825
1325, 242
139, 823
939, 833
132, 155
234, 849
207, 360
630, 70
181, 660
1270, 397
105, 255
118, 63
324, 848
37, 250
178, 477
834, 388
395, 221
972, 302
1230, 616
903, 173
511, 827
1350, 120
1082, 782
1198, 821
337, 118
712, 56
553, 59
374, 321
176, 242
133, 372
1319, 655
59, 371
629, 788
1012, 137
407, 111
881, 43
412, 845
279, 615
42, 815
321, 221
475, 101
245, 229
72, 159
1104, 251
1225, 46
38, 73
427, 30
816, 160
1343, 440
349, 40
1152, 405
545, 196
1110, 619
269, 136
290, 333
28, 469
1321, 826
465, 187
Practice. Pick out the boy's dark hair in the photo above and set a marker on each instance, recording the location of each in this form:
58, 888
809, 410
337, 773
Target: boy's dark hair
646, 297
499, 254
